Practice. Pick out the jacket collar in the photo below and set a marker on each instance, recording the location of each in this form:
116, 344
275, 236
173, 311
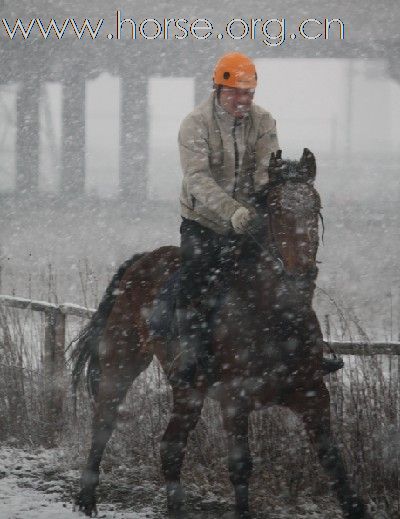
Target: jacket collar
224, 116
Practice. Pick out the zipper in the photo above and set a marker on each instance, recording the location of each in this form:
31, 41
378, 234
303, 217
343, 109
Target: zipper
236, 156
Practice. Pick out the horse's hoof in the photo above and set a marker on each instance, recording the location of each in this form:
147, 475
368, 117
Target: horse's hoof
177, 514
86, 503
175, 498
237, 515
356, 509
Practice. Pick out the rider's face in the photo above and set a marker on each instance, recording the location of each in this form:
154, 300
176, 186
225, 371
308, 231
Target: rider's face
236, 101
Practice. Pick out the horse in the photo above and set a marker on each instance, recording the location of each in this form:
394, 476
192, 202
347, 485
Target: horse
266, 344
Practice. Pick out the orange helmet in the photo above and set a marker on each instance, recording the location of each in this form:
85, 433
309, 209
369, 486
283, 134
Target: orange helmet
235, 70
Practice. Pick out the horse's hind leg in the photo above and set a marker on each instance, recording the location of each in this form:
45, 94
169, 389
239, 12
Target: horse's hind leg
314, 408
236, 424
116, 378
188, 403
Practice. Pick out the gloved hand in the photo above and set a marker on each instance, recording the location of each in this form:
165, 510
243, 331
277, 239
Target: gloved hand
241, 219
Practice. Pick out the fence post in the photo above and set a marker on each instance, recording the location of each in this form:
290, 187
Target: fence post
54, 371
327, 328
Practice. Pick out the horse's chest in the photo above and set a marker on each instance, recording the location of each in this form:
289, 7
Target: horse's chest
240, 315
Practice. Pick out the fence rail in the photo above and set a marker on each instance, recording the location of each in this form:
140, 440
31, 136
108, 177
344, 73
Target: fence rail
43, 306
366, 348
54, 345
56, 316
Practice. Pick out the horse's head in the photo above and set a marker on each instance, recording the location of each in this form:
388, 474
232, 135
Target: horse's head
291, 206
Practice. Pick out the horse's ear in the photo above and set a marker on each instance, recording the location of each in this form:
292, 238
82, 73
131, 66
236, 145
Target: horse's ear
308, 161
279, 155
272, 160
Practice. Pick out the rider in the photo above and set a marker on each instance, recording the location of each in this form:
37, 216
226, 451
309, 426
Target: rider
225, 145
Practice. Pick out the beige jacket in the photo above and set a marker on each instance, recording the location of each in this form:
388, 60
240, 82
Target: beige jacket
214, 183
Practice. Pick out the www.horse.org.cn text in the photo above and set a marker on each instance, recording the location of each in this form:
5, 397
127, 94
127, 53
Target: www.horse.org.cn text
272, 32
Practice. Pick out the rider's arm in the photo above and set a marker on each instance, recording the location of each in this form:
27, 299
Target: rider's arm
267, 142
194, 155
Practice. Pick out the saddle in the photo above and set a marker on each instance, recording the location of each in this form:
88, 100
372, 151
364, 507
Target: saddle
162, 319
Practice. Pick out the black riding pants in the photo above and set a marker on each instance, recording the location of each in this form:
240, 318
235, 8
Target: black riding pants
206, 257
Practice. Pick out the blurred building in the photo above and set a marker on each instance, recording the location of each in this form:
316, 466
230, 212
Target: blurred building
30, 65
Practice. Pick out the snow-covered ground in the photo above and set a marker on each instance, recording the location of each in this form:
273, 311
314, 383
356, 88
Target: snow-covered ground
29, 490
36, 485
32, 487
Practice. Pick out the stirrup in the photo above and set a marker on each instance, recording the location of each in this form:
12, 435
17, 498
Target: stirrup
331, 365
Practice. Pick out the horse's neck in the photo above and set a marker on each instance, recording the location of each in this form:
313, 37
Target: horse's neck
257, 284
262, 286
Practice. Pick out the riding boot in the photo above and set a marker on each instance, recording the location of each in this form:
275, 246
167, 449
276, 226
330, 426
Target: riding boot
313, 336
331, 365
190, 351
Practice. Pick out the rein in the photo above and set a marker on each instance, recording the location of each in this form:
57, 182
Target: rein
272, 252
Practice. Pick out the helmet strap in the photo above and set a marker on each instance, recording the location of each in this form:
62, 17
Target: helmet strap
217, 89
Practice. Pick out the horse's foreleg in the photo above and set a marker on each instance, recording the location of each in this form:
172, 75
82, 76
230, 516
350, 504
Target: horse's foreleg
236, 425
187, 408
103, 423
116, 378
314, 408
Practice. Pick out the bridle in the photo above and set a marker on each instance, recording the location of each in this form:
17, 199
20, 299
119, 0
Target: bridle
271, 250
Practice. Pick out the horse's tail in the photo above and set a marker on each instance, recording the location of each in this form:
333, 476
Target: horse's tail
86, 348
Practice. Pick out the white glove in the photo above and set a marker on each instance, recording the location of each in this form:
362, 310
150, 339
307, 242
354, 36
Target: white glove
240, 220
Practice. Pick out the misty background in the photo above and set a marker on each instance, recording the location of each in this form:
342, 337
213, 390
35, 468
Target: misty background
341, 99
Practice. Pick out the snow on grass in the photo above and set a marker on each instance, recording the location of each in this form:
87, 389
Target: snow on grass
39, 485
30, 488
